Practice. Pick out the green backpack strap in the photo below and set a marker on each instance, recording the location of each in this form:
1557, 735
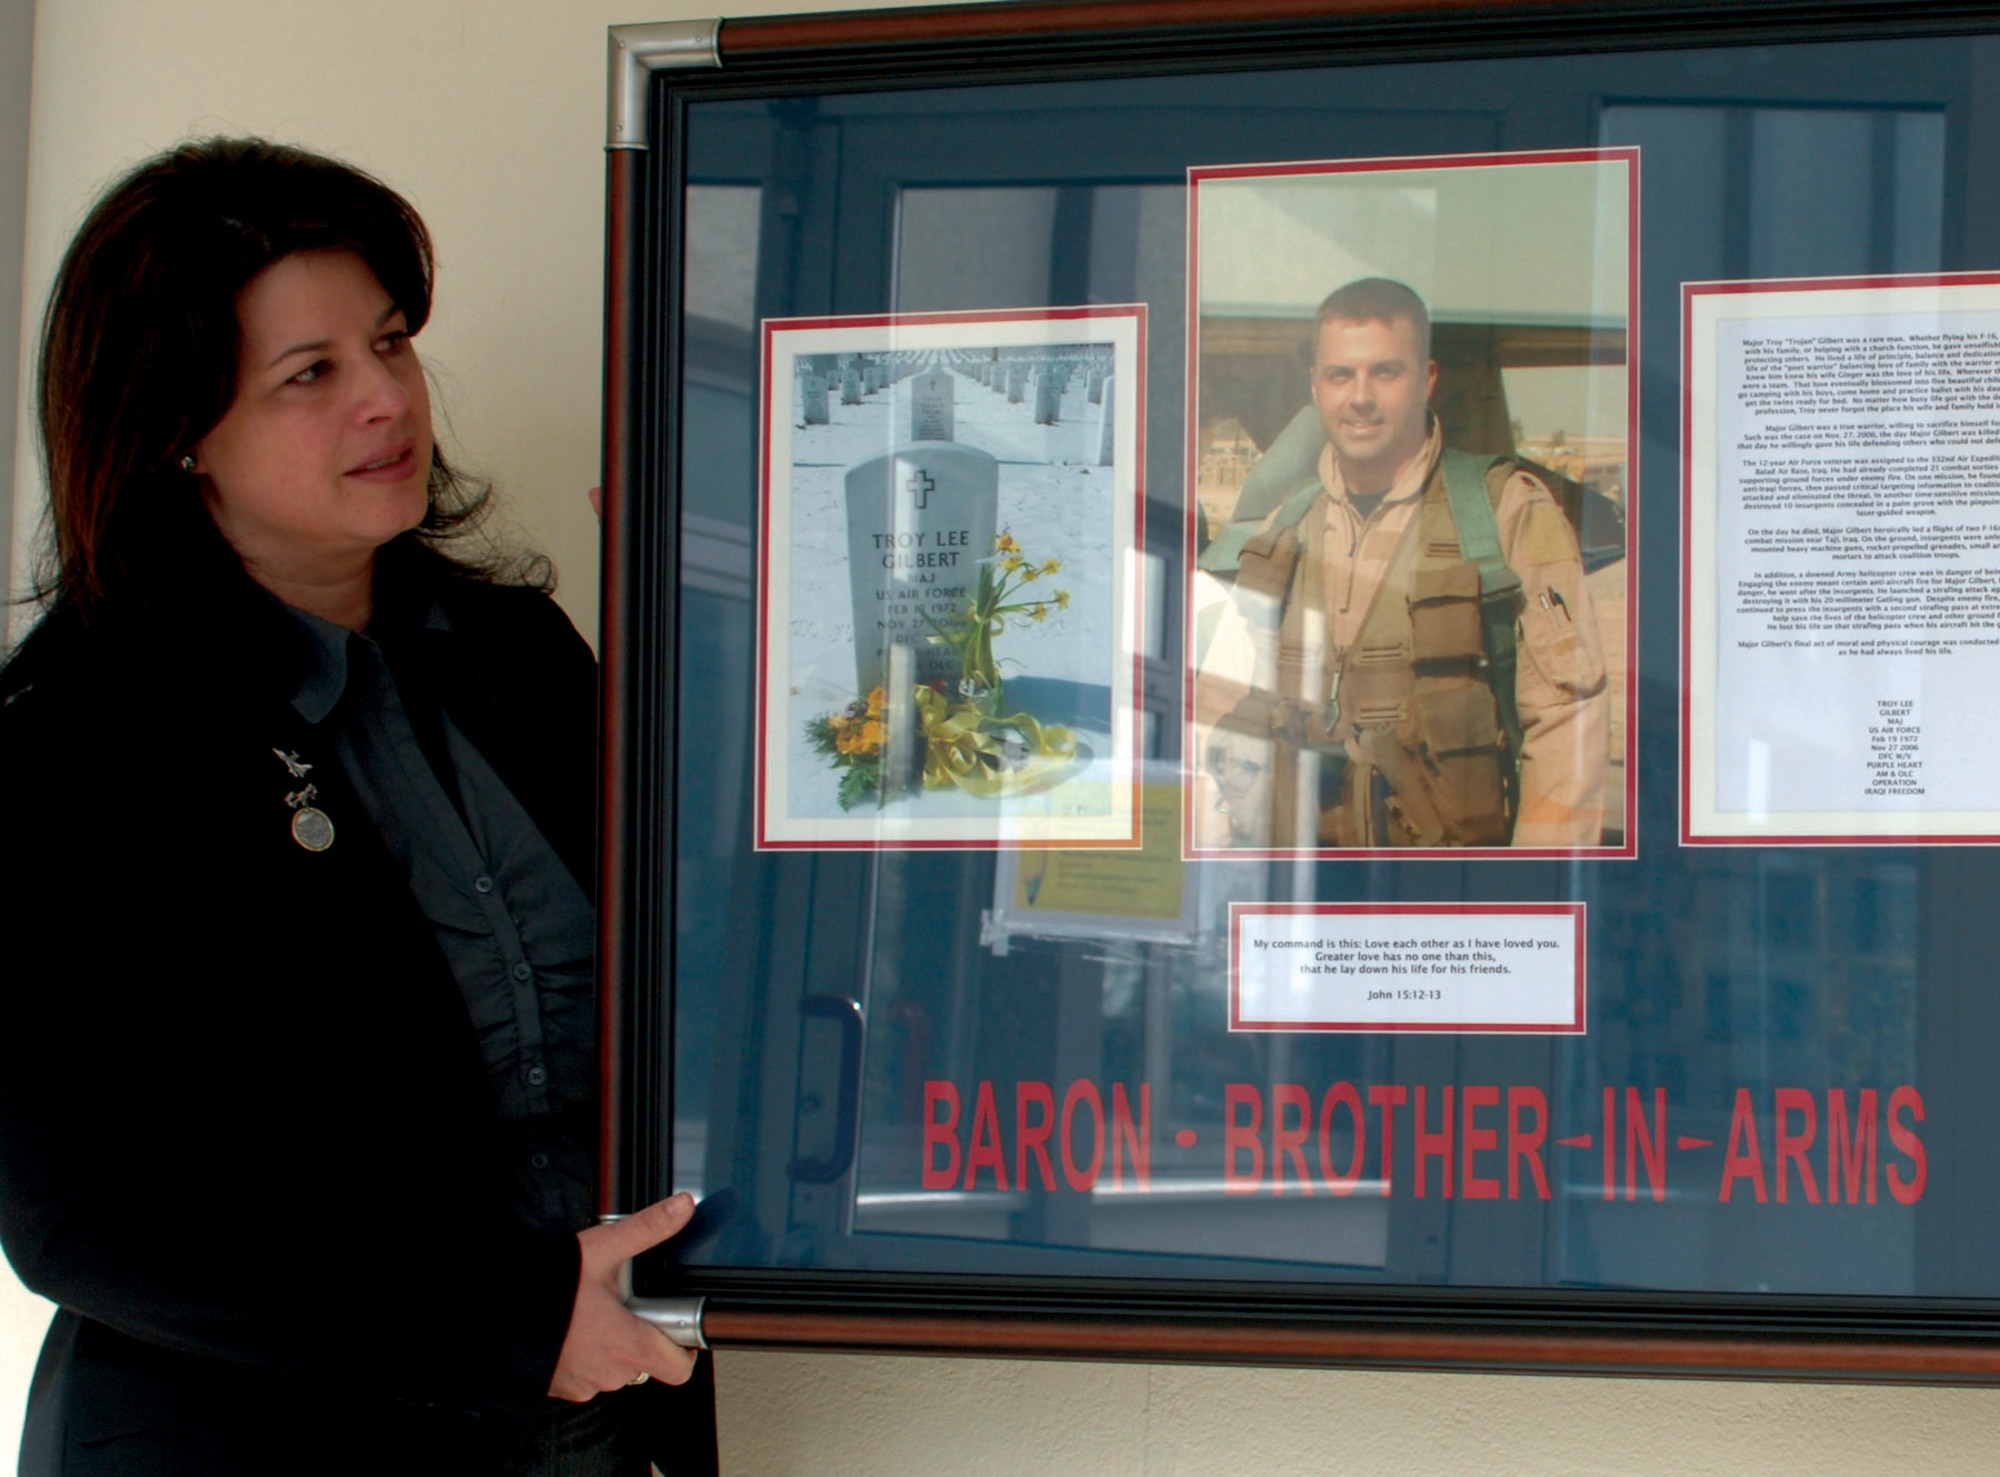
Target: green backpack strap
1499, 585
1285, 477
1291, 460
1224, 554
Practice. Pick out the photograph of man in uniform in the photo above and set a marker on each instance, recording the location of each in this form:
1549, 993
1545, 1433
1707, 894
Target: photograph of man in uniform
1407, 655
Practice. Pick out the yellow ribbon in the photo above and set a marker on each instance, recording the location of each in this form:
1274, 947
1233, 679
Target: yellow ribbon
961, 747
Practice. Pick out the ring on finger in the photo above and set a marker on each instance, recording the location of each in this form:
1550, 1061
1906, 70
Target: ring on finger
639, 1379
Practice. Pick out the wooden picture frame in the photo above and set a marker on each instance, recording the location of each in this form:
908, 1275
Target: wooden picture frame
1757, 1146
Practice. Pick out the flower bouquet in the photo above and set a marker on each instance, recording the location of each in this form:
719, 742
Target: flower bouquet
852, 738
966, 742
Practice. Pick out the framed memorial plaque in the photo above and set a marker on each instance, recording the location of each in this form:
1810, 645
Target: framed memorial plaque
1308, 682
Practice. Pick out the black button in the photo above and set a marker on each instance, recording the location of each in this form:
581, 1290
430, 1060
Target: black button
540, 1161
536, 1076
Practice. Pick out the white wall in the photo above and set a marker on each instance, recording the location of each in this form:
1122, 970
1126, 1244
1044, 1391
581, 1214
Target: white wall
983, 1418
489, 114
17, 49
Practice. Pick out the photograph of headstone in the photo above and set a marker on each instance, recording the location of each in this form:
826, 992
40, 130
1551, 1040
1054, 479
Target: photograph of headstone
946, 595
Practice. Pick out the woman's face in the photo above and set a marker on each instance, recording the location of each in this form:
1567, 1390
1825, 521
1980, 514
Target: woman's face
325, 454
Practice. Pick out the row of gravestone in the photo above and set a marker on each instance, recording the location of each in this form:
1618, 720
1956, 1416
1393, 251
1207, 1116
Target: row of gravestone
1012, 378
1050, 378
932, 397
856, 379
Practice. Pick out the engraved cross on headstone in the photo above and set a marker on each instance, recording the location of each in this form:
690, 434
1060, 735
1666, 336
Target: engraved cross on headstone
919, 521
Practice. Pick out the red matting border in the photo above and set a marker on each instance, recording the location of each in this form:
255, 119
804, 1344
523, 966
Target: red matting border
1689, 292
1135, 592
1628, 850
1575, 1026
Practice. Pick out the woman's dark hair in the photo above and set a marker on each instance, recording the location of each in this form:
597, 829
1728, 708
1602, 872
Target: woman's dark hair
139, 349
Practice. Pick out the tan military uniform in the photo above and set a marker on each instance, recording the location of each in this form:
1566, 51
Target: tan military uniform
1293, 655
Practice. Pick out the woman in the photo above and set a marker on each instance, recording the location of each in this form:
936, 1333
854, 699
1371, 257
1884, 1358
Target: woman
295, 1019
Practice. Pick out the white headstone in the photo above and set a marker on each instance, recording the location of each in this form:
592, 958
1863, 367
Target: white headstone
812, 396
931, 406
1017, 383
918, 522
1103, 424
1048, 396
850, 386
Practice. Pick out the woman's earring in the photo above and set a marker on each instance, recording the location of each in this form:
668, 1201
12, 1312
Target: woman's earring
187, 465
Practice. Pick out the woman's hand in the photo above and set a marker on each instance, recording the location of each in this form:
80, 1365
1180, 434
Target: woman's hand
608, 1347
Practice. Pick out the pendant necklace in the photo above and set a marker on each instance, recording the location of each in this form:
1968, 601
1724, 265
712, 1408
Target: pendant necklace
311, 827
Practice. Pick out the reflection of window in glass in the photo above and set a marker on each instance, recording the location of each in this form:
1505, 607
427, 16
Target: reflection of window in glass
1790, 911
1029, 246
718, 417
1790, 1011
1151, 572
957, 247
1791, 192
720, 368
1570, 418
1564, 403
722, 227
1718, 1023
1836, 185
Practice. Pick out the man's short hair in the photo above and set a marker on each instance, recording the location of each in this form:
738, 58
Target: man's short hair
1377, 300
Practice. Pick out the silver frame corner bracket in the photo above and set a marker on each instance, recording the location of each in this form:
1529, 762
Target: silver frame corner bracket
678, 1318
636, 52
